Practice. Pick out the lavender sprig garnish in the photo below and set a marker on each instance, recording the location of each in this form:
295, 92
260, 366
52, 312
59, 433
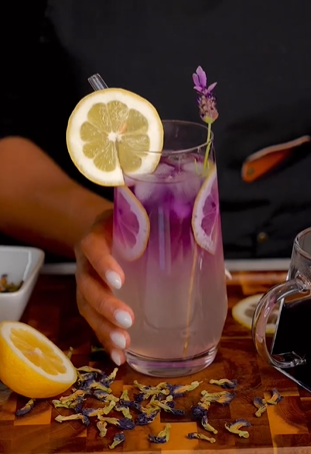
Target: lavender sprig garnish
207, 105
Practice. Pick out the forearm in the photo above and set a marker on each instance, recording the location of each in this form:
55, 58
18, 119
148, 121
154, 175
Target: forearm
39, 203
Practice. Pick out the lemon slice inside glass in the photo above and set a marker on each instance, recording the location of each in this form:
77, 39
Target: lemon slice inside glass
110, 132
205, 212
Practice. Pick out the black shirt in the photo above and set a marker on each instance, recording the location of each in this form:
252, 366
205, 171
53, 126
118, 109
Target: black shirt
258, 52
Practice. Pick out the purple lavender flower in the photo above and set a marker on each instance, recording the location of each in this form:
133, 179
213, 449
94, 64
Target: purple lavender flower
205, 99
200, 82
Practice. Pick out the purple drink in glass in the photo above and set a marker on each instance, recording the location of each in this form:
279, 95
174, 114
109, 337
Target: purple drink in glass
167, 238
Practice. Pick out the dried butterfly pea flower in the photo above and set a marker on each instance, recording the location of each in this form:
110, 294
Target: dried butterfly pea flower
111, 377
146, 418
162, 436
102, 427
104, 397
26, 408
108, 408
167, 408
98, 411
123, 423
85, 420
124, 395
106, 380
199, 410
7, 287
235, 426
124, 410
198, 436
261, 404
87, 376
117, 439
126, 402
85, 384
275, 398
73, 401
180, 390
222, 398
148, 391
225, 383
207, 426
87, 369
96, 385
73, 396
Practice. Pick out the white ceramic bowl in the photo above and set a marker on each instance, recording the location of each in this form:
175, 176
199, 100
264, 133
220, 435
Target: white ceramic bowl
20, 264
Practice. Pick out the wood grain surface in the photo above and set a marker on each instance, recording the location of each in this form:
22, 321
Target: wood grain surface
284, 428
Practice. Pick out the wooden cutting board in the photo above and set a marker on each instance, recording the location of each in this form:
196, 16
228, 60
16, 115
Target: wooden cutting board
284, 428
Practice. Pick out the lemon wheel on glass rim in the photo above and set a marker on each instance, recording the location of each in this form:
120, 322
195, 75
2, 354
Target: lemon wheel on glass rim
109, 133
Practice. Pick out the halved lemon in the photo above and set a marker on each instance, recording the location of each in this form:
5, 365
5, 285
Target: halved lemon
243, 312
205, 212
132, 226
110, 132
32, 365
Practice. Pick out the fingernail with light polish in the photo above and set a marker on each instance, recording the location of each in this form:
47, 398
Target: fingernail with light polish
113, 279
116, 357
118, 339
123, 318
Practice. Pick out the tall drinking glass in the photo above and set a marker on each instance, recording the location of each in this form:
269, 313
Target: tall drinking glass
167, 238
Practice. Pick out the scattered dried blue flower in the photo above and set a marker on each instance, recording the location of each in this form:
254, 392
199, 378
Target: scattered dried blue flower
222, 398
198, 411
102, 428
235, 427
86, 377
92, 412
148, 391
104, 397
146, 418
26, 408
88, 369
180, 390
167, 407
124, 410
162, 436
199, 436
78, 416
117, 439
225, 383
123, 423
275, 398
261, 406
205, 424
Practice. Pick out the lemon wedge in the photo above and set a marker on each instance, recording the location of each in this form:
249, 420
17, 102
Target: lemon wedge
110, 132
32, 365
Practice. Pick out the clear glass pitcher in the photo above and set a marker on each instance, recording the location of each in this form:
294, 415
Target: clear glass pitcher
291, 347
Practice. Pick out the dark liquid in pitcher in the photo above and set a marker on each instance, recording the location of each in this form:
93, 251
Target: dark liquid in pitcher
294, 335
